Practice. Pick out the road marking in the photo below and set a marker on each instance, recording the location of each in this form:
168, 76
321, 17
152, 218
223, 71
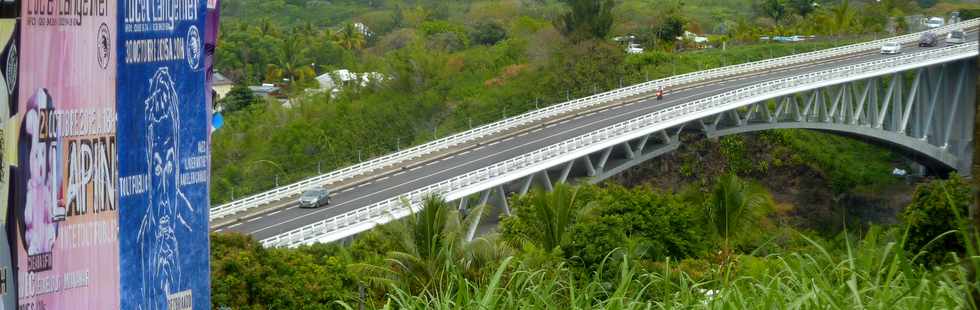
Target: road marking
254, 219
450, 157
274, 213
399, 173
346, 190
382, 179
233, 225
464, 153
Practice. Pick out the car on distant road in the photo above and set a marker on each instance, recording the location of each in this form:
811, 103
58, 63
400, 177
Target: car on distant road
891, 48
787, 39
956, 37
935, 22
927, 39
314, 198
634, 48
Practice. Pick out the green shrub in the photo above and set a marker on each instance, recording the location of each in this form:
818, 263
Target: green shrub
663, 225
937, 208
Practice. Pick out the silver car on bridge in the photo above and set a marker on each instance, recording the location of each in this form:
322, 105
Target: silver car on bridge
314, 197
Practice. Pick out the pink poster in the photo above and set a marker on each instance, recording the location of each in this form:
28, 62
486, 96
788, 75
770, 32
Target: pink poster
66, 206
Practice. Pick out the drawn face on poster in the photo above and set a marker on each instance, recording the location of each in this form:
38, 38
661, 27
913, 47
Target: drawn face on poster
168, 209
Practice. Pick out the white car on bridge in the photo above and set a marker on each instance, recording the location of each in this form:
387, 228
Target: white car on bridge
891, 48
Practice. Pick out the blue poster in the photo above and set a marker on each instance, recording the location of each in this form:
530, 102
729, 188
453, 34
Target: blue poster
163, 128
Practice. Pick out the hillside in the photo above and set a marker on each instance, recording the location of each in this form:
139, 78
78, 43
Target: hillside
453, 65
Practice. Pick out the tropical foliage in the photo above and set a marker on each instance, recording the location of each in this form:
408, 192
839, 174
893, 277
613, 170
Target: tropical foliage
626, 249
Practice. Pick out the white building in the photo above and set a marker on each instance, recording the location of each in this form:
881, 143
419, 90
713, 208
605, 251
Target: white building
335, 80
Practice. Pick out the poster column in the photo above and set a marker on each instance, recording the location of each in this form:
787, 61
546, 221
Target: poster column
65, 180
9, 35
163, 128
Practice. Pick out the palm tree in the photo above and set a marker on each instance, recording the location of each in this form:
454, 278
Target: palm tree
430, 247
551, 216
349, 37
843, 17
732, 206
267, 28
290, 62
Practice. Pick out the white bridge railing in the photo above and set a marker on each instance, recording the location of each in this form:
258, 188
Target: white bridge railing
362, 219
391, 160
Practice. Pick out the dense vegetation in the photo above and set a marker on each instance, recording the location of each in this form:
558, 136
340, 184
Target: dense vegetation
615, 247
454, 65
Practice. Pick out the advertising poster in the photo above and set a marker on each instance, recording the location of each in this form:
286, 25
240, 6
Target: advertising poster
163, 155
9, 35
66, 186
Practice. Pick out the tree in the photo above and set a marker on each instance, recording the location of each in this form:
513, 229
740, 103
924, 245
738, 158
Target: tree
937, 208
246, 275
663, 223
349, 37
428, 245
543, 219
732, 206
488, 33
801, 7
240, 97
587, 19
291, 62
671, 28
775, 9
843, 16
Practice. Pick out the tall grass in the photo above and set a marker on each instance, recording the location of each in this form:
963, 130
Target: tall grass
875, 272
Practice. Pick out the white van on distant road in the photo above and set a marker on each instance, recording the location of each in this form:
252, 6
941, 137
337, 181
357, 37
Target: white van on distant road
935, 22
